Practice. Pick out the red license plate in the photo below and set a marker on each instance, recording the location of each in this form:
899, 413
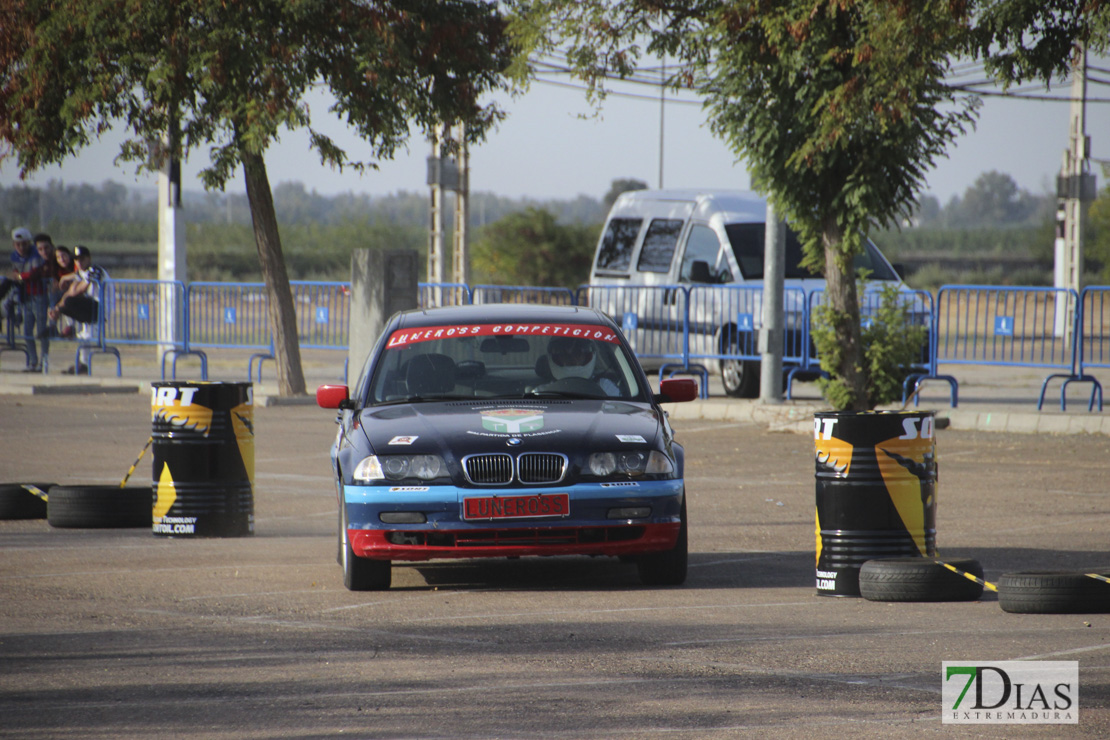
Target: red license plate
516, 507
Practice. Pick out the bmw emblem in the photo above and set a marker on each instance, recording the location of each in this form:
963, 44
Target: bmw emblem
514, 441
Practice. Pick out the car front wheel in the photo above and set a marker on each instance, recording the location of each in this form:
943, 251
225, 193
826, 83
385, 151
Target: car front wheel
667, 568
360, 574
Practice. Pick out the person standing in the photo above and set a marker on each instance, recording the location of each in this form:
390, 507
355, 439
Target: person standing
36, 280
82, 303
11, 296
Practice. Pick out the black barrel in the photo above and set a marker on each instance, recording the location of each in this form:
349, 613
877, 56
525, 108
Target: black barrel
203, 458
876, 492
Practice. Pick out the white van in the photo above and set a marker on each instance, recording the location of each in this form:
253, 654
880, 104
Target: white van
702, 240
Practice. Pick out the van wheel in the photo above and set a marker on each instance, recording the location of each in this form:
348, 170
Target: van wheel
740, 377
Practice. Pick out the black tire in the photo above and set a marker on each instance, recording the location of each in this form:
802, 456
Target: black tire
79, 507
919, 579
739, 377
1053, 592
361, 574
23, 500
667, 568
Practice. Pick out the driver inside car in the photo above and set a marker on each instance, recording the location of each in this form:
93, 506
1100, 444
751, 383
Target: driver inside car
575, 357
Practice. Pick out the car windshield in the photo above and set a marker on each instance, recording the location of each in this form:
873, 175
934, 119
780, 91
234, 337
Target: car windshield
490, 361
747, 242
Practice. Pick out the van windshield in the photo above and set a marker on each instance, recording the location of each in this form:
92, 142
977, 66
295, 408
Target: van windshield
747, 246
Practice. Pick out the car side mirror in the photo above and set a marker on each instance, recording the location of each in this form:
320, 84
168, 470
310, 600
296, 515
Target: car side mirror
677, 390
334, 397
699, 272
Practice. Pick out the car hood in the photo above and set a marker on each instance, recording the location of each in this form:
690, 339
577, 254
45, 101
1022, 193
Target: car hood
465, 428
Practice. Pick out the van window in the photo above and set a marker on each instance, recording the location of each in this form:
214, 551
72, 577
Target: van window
617, 242
747, 245
701, 246
659, 243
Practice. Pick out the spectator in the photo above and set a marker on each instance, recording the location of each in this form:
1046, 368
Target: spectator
35, 281
11, 297
63, 325
81, 302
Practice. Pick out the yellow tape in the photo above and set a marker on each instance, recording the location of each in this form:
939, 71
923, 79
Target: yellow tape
35, 490
135, 464
1098, 577
968, 576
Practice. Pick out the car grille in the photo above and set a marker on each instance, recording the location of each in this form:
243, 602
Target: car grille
530, 468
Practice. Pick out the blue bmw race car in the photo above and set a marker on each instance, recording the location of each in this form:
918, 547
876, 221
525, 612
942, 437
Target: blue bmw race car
502, 431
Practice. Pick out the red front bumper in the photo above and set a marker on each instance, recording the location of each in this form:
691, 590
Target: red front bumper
499, 543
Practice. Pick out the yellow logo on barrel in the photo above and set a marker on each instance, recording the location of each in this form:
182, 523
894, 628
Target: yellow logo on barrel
175, 406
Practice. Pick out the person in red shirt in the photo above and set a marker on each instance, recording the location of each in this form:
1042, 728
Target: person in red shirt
35, 279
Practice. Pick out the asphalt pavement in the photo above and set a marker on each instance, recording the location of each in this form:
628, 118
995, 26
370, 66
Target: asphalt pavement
988, 398
121, 633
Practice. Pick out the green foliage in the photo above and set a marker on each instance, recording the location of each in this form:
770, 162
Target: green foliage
839, 108
891, 344
228, 77
1098, 244
531, 248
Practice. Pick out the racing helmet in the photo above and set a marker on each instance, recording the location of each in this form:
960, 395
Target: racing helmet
571, 357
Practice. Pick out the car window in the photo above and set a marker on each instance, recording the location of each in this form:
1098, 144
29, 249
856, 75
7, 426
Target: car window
659, 243
747, 244
486, 361
702, 245
617, 243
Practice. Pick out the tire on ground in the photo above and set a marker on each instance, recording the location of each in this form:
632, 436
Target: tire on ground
1054, 592
99, 507
23, 500
667, 568
919, 579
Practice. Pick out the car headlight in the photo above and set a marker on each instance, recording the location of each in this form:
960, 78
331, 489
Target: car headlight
626, 463
399, 467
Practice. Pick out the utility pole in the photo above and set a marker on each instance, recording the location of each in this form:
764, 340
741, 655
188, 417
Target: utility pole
435, 213
448, 173
460, 263
1075, 189
171, 252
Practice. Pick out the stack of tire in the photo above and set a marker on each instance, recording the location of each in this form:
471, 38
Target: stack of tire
961, 579
77, 507
921, 579
1055, 592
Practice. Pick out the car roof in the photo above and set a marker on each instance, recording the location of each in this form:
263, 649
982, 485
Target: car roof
498, 312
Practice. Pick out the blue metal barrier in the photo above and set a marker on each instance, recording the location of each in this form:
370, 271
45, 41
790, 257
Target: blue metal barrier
655, 322
230, 316
151, 312
522, 294
442, 294
724, 324
1005, 327
1093, 343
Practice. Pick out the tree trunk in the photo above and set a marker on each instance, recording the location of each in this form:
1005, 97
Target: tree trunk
842, 296
283, 319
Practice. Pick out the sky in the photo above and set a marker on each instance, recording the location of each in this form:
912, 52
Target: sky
552, 146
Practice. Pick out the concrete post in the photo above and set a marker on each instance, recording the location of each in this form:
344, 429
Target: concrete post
171, 256
771, 333
382, 283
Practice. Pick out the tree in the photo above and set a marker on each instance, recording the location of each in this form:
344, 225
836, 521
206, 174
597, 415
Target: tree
622, 185
1098, 246
530, 248
229, 76
838, 106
